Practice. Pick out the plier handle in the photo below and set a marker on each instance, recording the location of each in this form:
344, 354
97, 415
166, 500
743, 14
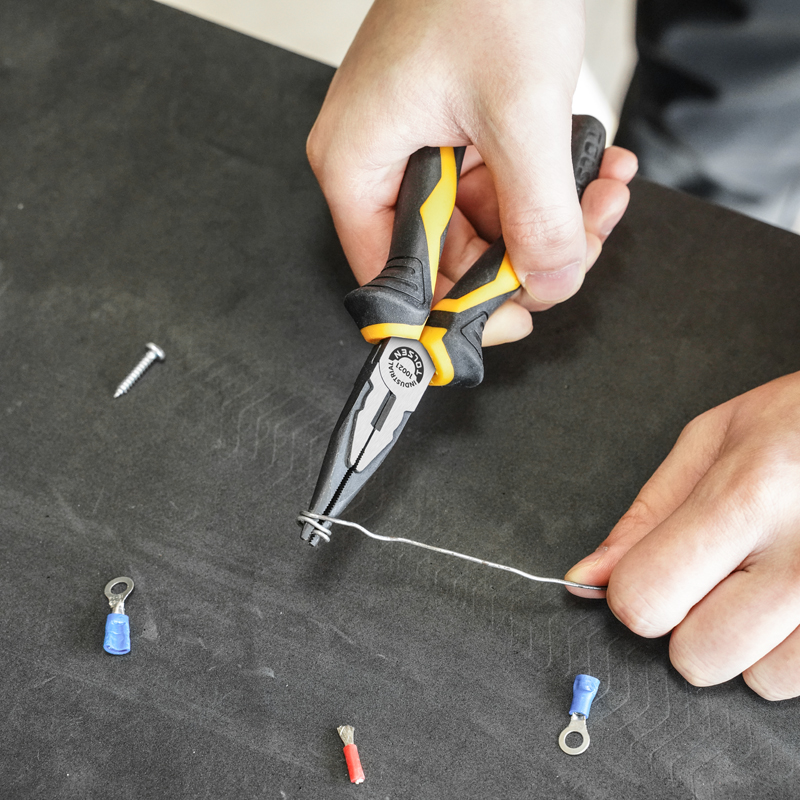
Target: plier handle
398, 301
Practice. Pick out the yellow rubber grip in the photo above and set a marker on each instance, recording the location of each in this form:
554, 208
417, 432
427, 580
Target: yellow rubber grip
399, 299
454, 329
383, 330
438, 208
505, 282
432, 339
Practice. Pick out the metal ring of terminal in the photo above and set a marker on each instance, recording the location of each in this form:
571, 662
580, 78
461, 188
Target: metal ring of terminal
577, 724
118, 597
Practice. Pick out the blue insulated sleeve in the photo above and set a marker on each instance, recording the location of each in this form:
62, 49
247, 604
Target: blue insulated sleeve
118, 635
583, 692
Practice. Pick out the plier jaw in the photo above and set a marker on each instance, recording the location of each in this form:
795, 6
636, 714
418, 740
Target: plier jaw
388, 388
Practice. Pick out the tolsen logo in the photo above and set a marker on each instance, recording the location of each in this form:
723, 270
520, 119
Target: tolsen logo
405, 367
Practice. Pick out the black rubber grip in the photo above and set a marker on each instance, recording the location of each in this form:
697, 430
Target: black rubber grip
453, 337
588, 145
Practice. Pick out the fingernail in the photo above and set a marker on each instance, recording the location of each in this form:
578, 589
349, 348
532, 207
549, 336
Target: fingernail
553, 286
586, 565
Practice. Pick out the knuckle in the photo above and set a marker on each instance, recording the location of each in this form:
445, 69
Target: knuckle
755, 491
552, 229
636, 610
314, 151
687, 659
696, 426
706, 431
769, 686
640, 516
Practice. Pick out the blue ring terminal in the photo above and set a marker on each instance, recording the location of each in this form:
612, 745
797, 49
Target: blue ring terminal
117, 641
118, 635
584, 690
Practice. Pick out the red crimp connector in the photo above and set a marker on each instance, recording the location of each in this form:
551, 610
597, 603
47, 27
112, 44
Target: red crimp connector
353, 764
351, 754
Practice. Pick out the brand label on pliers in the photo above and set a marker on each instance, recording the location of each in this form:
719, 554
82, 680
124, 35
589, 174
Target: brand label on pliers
405, 367
396, 384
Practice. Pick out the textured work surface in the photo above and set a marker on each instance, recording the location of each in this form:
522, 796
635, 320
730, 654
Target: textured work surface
153, 187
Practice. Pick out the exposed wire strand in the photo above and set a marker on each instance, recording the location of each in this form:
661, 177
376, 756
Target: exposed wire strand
345, 734
315, 521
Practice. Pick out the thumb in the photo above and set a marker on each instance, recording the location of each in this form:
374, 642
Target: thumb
540, 215
696, 450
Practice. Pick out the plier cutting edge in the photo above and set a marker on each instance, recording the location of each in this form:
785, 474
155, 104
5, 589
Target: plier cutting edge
416, 346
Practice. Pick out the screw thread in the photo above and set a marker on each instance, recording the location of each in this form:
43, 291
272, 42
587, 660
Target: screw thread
136, 373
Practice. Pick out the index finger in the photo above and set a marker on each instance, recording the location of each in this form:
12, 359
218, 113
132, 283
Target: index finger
361, 203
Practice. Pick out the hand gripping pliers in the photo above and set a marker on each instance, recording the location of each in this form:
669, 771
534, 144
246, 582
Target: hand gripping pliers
416, 346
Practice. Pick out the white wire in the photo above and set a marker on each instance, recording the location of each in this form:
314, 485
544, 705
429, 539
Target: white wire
314, 520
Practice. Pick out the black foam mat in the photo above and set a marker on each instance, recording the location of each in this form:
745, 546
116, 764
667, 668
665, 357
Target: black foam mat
153, 187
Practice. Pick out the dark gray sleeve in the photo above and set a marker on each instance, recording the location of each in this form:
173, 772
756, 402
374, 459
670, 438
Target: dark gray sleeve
714, 105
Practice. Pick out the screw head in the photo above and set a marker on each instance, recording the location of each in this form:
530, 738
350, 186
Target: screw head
159, 353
